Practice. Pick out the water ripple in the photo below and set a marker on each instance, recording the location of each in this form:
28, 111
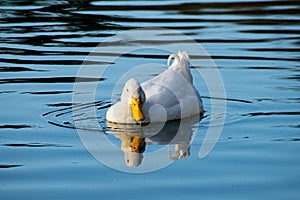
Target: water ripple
35, 145
15, 126
6, 166
49, 80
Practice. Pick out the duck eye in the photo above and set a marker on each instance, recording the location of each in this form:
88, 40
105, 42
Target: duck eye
127, 90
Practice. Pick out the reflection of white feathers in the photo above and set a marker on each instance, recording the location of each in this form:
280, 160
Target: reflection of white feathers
177, 133
180, 151
173, 90
132, 159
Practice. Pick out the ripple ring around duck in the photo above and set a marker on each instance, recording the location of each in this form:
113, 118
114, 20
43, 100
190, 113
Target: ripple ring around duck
102, 57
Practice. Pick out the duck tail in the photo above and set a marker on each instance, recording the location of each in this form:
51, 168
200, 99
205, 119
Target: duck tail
183, 65
176, 59
183, 55
181, 58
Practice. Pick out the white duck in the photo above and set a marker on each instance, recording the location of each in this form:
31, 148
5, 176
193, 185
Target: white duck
168, 96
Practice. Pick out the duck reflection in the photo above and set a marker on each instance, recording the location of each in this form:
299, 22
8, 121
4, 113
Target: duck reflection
133, 148
135, 137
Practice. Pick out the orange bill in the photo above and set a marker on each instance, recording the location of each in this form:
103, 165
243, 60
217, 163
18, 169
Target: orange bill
136, 107
136, 143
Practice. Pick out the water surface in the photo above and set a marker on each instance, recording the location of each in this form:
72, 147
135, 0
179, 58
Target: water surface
255, 44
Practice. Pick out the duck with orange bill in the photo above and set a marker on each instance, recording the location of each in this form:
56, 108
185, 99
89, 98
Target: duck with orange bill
168, 96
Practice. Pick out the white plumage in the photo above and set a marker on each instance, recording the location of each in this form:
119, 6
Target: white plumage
168, 96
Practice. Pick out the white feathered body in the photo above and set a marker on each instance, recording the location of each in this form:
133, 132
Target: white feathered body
170, 95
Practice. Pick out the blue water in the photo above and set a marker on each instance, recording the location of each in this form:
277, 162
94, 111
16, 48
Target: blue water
254, 44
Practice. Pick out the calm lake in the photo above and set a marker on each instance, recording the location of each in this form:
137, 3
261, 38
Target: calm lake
255, 46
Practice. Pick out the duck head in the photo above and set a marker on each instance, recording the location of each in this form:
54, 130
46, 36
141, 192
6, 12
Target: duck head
135, 96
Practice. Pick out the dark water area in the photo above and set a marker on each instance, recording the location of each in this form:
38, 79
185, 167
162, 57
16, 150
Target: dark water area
254, 44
